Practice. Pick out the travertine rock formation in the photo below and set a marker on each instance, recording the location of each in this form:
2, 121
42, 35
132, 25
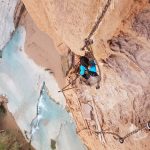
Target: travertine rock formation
121, 46
6, 22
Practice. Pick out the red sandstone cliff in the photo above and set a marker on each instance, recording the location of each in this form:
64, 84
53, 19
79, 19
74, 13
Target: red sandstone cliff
121, 46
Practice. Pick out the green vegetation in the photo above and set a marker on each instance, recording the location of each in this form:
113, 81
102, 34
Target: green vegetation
8, 141
2, 146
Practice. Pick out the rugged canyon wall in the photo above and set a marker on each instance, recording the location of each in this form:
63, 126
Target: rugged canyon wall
121, 46
71, 21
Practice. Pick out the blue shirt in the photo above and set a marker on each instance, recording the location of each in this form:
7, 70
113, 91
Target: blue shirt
82, 70
92, 68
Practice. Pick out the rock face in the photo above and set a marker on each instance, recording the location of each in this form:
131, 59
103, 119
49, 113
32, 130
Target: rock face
37, 114
141, 23
71, 21
6, 22
121, 46
41, 49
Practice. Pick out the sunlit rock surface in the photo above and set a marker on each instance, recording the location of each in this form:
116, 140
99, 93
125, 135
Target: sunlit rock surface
21, 81
121, 46
41, 49
71, 21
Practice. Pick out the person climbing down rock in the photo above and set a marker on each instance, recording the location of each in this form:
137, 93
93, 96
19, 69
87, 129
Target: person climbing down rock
88, 70
84, 63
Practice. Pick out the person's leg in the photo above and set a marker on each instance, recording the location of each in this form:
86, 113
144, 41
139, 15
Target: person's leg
93, 73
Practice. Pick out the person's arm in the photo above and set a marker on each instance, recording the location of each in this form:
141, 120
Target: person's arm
92, 68
82, 70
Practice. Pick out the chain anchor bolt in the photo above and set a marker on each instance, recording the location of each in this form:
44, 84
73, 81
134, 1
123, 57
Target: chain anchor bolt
97, 87
88, 41
121, 140
148, 125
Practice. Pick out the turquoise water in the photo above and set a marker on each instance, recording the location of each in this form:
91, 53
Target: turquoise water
33, 108
50, 112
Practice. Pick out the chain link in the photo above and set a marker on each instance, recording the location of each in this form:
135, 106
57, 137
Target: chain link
99, 19
88, 40
120, 138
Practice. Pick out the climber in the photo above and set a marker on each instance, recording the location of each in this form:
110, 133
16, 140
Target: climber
87, 67
92, 68
84, 63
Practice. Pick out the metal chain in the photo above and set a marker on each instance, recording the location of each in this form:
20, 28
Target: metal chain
88, 40
99, 19
133, 132
120, 138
